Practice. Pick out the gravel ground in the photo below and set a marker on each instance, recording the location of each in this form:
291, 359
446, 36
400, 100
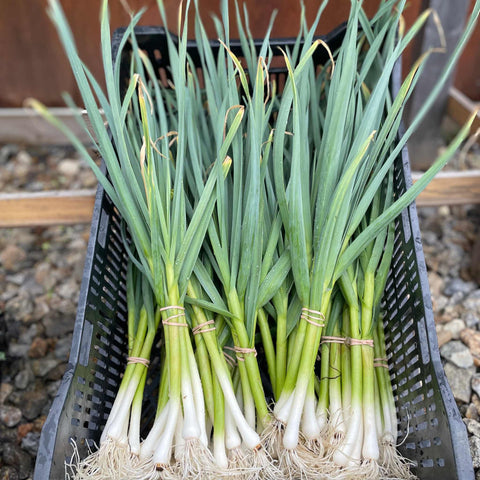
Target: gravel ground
41, 271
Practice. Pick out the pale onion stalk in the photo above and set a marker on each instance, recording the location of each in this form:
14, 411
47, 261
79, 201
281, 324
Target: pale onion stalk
179, 443
324, 391
147, 447
309, 355
219, 366
348, 453
346, 367
379, 412
219, 448
136, 417
198, 394
310, 425
337, 421
370, 449
163, 447
232, 438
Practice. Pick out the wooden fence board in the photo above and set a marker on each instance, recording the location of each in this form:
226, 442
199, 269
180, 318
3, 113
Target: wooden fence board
27, 127
46, 208
460, 107
75, 207
34, 64
451, 188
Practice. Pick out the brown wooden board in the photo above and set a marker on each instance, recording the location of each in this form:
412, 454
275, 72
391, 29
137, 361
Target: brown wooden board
75, 207
26, 127
34, 64
46, 208
451, 188
460, 108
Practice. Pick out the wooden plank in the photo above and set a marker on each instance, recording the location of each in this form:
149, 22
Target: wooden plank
46, 208
75, 207
451, 188
25, 126
460, 107
34, 63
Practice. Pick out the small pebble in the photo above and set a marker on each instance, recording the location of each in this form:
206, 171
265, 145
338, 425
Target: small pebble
10, 416
17, 350
476, 383
28, 335
471, 412
42, 366
30, 443
8, 473
471, 338
457, 285
14, 456
455, 326
56, 373
33, 403
473, 427
12, 256
24, 158
472, 303
460, 381
38, 423
443, 335
43, 275
444, 211
23, 429
38, 348
436, 283
475, 450
52, 388
457, 353
60, 324
69, 167
62, 347
5, 391
24, 378
476, 402
470, 319
7, 435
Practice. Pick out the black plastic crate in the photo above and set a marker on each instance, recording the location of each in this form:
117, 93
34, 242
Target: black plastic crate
434, 435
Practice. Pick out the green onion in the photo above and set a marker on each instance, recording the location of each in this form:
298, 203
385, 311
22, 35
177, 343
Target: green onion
258, 223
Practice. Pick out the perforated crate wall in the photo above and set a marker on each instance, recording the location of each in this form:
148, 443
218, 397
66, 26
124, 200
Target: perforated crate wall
431, 431
430, 425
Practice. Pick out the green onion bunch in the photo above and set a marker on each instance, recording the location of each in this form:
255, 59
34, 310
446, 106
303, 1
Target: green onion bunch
259, 226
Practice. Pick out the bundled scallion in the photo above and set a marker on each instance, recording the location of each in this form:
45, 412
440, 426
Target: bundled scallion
259, 226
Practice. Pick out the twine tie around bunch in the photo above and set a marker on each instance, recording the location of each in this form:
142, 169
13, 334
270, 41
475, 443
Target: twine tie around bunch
133, 360
168, 321
380, 362
240, 352
314, 317
229, 359
348, 341
204, 327
330, 339
356, 341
